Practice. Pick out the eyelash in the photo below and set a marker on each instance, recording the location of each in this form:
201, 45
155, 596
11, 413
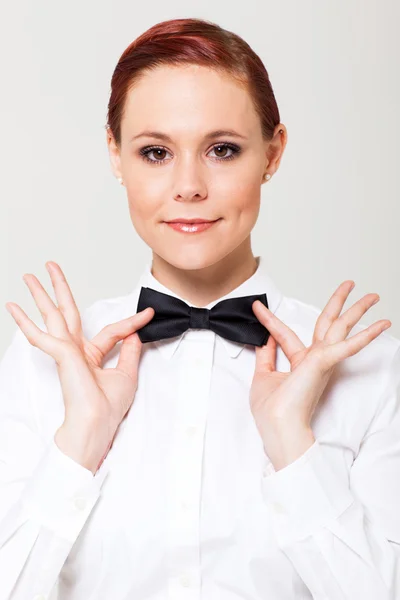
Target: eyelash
144, 152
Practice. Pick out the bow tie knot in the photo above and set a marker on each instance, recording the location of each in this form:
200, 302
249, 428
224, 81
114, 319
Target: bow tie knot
232, 318
199, 318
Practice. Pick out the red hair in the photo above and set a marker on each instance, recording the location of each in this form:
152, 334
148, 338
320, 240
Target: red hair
192, 41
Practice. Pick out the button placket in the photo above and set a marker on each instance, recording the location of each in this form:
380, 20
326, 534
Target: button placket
185, 467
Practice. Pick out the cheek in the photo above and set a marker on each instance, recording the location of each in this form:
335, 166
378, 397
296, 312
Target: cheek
144, 203
249, 187
144, 213
243, 185
244, 203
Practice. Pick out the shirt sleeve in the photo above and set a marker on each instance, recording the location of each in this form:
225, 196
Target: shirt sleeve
343, 538
45, 496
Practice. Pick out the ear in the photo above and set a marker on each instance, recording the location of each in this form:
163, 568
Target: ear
114, 153
275, 147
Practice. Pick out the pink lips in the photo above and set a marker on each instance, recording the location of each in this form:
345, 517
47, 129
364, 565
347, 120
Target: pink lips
193, 227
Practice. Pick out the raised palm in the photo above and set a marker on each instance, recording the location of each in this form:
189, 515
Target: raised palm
295, 394
90, 392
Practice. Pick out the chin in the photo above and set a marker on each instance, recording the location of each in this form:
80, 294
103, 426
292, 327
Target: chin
193, 259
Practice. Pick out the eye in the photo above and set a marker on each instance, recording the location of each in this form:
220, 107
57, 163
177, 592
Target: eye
145, 152
232, 147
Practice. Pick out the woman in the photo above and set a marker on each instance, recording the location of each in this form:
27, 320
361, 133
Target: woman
204, 436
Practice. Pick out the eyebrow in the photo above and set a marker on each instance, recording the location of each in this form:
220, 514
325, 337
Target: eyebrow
209, 136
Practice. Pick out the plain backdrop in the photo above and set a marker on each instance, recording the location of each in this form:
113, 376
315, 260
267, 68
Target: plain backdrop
330, 213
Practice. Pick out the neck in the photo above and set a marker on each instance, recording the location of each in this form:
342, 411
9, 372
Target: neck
203, 285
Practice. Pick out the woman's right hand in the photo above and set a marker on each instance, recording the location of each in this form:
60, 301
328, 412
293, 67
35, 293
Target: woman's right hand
96, 399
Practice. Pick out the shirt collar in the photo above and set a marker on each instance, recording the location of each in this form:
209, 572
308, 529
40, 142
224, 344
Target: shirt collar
259, 283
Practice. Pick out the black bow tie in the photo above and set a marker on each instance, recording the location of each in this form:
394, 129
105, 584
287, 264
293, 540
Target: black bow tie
232, 318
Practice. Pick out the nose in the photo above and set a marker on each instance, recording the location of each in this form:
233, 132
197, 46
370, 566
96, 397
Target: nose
189, 181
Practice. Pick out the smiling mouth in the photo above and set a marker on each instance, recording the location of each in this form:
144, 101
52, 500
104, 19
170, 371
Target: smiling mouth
193, 220
191, 227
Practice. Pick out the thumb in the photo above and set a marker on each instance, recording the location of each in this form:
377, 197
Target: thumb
113, 333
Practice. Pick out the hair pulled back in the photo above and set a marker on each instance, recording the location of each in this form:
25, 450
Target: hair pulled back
192, 41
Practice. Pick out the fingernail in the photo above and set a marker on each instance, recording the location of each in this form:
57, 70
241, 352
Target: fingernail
262, 304
375, 301
387, 326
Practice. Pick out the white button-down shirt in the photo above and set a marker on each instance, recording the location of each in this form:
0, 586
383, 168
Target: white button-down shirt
187, 505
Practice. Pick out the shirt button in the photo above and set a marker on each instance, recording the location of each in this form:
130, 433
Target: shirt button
278, 508
39, 597
185, 580
191, 430
185, 506
199, 362
79, 503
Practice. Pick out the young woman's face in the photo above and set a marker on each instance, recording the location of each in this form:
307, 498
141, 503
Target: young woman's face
191, 175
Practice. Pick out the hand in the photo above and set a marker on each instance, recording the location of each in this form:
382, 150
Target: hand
286, 401
94, 397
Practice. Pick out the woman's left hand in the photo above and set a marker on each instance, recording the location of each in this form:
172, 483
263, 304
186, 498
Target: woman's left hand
283, 403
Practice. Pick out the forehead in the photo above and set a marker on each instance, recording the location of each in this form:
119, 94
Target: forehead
188, 98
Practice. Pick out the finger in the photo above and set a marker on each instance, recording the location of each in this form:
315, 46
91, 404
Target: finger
106, 339
341, 328
65, 300
357, 342
285, 337
52, 317
128, 360
35, 336
332, 310
266, 356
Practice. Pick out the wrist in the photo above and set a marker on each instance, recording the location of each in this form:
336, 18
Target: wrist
87, 444
284, 445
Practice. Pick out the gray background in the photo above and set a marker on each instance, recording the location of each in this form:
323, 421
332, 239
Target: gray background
330, 213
